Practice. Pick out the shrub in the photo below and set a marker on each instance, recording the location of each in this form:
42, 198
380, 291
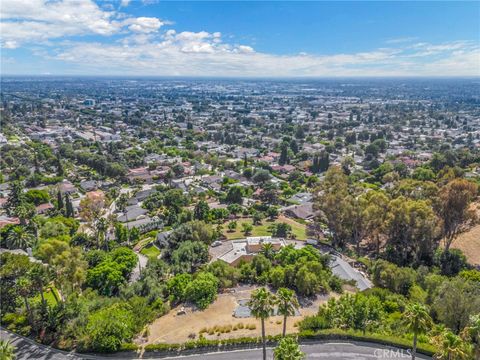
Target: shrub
314, 323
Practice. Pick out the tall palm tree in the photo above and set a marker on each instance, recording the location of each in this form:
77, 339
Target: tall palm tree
418, 321
101, 228
24, 286
287, 304
7, 350
261, 304
39, 276
450, 346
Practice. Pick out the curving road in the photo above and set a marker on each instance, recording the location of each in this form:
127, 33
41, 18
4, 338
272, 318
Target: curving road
342, 350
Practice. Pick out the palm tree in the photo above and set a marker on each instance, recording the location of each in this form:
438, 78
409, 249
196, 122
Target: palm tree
287, 304
288, 349
101, 228
472, 333
261, 304
19, 238
418, 321
450, 346
268, 251
7, 350
24, 286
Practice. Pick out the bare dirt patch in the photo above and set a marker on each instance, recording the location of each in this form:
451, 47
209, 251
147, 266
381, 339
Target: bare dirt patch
469, 243
173, 328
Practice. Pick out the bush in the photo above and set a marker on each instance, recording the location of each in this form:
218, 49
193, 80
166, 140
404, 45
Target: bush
314, 323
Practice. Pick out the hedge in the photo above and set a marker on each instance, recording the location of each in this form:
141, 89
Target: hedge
328, 334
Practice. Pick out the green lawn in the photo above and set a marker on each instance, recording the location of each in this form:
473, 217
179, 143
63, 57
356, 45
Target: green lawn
48, 295
299, 230
151, 252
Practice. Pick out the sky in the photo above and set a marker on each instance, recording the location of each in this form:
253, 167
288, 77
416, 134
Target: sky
240, 39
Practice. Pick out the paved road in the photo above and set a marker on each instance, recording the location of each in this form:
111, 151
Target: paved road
28, 349
322, 351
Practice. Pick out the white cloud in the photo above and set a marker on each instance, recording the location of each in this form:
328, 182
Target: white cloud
205, 54
144, 24
143, 48
31, 21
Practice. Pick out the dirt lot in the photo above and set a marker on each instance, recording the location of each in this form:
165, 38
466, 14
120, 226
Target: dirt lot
173, 328
469, 243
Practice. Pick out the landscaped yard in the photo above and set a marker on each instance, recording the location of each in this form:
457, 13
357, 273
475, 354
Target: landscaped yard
299, 230
151, 252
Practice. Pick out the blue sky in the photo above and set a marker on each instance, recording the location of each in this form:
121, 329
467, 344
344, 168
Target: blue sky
240, 38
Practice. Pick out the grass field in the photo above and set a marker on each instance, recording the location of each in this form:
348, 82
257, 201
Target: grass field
299, 230
48, 295
151, 252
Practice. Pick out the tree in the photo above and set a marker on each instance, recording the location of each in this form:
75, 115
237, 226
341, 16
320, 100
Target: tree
201, 211
202, 291
234, 195
24, 287
232, 226
69, 211
91, 210
257, 218
450, 346
122, 202
335, 204
126, 258
177, 287
69, 267
247, 228
261, 176
455, 211
272, 212
19, 238
7, 350
456, 301
15, 198
287, 305
268, 250
60, 203
321, 162
288, 349
261, 305
37, 197
101, 227
411, 229
472, 333
282, 230
283, 154
39, 276
418, 321
109, 327
106, 277
189, 256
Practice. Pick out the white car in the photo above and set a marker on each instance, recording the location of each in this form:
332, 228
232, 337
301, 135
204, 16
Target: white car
216, 243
